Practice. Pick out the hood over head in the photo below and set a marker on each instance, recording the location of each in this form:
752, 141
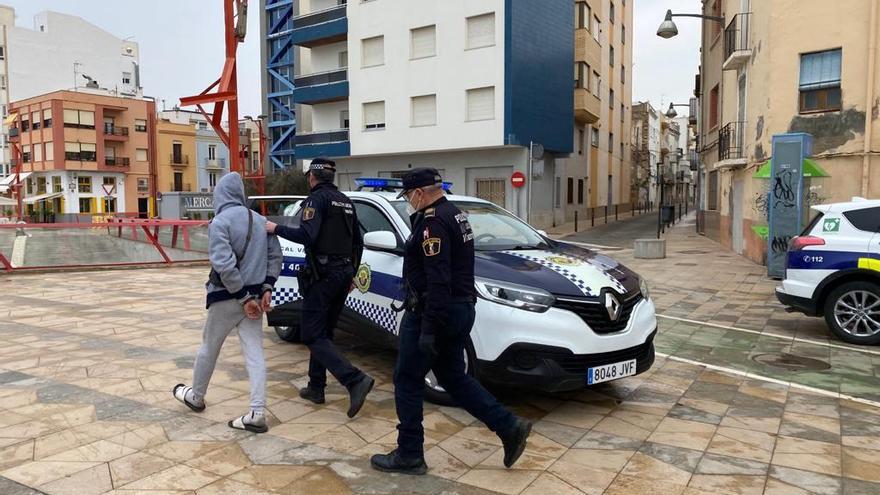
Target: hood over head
229, 192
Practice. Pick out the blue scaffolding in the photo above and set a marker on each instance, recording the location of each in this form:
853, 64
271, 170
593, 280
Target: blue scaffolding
279, 75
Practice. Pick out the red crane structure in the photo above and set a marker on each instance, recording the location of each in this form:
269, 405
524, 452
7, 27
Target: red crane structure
224, 93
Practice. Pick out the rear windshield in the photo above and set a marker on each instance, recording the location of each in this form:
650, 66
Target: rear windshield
866, 219
813, 223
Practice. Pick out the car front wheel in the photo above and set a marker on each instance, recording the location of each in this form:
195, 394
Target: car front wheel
435, 393
289, 334
852, 311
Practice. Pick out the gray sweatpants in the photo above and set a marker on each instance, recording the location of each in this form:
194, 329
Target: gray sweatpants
223, 317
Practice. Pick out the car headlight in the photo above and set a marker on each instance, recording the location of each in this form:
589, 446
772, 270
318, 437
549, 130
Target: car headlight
517, 296
643, 288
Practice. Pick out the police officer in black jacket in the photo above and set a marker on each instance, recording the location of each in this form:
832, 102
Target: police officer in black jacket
330, 232
438, 273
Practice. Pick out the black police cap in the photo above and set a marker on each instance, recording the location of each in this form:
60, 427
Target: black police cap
323, 164
420, 177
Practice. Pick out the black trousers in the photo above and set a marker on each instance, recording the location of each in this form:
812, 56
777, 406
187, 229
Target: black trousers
449, 367
322, 305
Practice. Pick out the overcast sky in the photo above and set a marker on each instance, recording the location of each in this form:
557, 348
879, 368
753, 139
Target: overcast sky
181, 44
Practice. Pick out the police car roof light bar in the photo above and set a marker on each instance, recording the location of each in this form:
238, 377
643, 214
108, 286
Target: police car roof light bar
389, 185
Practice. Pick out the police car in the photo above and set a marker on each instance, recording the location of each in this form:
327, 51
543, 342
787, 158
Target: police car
833, 270
550, 316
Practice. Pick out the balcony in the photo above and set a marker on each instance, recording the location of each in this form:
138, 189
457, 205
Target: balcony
180, 187
736, 42
321, 27
586, 106
117, 161
586, 48
115, 133
731, 148
178, 160
321, 87
218, 163
332, 143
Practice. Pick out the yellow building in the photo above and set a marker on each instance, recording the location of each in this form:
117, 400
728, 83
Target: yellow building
780, 66
176, 145
598, 173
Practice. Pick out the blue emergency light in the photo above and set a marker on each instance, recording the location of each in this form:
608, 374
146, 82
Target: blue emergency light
385, 184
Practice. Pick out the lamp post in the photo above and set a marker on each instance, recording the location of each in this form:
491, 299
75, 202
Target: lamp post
668, 29
671, 113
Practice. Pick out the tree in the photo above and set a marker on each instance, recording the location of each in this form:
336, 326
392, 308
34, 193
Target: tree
641, 179
285, 182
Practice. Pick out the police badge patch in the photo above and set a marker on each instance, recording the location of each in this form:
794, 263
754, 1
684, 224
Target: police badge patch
308, 213
431, 246
363, 278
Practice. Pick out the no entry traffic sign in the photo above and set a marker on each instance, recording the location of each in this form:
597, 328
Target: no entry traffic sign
518, 179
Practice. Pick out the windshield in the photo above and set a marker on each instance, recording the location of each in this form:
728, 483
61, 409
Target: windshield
278, 210
494, 228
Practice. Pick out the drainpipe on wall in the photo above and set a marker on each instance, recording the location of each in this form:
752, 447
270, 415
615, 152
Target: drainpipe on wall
869, 102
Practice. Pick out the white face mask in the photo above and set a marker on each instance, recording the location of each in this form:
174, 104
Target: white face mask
410, 209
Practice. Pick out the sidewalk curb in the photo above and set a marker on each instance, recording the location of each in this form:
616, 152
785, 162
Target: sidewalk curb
570, 230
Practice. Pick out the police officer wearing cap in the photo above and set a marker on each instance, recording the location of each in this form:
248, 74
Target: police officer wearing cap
438, 272
330, 232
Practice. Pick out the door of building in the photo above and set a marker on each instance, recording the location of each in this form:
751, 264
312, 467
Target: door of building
178, 181
143, 207
492, 190
610, 190
737, 221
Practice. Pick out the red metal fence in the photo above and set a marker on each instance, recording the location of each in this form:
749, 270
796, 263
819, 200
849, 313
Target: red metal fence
112, 243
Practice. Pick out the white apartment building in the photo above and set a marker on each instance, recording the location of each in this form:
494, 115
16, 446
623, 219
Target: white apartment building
465, 86
61, 52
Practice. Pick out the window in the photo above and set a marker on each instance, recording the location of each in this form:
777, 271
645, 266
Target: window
343, 59
622, 113
582, 75
109, 181
424, 110
143, 185
212, 180
126, 78
480, 31
611, 13
493, 190
597, 83
423, 42
25, 123
597, 27
85, 205
50, 151
344, 121
56, 184
140, 155
867, 219
84, 184
140, 125
374, 115
621, 150
582, 141
713, 107
611, 142
373, 51
584, 16
623, 34
820, 81
611, 56
109, 205
2, 81
481, 104
36, 121
557, 192
712, 191
203, 126
80, 152
580, 191
611, 99
2, 53
47, 118
372, 219
26, 153
212, 152
570, 191
622, 74
716, 11
41, 185
81, 119
38, 152
594, 137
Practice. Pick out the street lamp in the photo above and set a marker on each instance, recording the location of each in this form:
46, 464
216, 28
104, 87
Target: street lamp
668, 29
671, 113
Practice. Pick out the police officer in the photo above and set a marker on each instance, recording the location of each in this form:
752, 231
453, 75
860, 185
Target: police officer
438, 272
330, 232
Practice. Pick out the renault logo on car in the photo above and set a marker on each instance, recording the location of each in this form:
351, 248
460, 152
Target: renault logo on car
612, 305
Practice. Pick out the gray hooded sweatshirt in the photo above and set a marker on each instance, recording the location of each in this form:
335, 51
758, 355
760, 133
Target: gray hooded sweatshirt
227, 233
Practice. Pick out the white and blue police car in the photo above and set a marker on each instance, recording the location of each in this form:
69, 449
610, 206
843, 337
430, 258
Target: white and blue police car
550, 316
833, 270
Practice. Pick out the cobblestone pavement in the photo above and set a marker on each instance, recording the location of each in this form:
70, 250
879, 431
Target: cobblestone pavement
87, 361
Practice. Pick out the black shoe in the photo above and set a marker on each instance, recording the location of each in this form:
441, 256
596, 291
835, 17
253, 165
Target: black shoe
358, 394
315, 395
515, 441
393, 463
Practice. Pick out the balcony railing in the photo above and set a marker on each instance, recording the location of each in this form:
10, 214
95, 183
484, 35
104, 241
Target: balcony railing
334, 136
736, 39
320, 16
329, 77
179, 159
180, 187
112, 130
730, 141
215, 162
117, 161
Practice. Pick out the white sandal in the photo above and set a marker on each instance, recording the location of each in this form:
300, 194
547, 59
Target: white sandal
239, 424
180, 390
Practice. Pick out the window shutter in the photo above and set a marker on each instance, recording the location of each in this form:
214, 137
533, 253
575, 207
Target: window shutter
820, 70
481, 104
481, 30
424, 110
141, 155
50, 151
71, 116
374, 115
373, 51
87, 118
38, 152
424, 42
35, 117
47, 114
87, 147
71, 147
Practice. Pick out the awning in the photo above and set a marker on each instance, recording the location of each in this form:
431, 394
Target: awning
10, 119
8, 202
10, 179
42, 197
811, 169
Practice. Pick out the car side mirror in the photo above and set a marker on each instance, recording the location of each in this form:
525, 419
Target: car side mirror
543, 233
382, 240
